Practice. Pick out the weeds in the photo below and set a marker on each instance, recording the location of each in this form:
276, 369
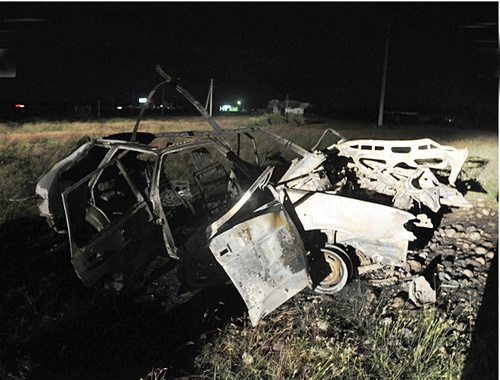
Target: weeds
295, 345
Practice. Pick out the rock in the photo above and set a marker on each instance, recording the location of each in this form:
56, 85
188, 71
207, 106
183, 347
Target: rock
469, 273
397, 302
480, 259
490, 255
450, 232
487, 235
488, 244
423, 255
473, 262
434, 246
460, 235
448, 251
421, 292
471, 229
459, 227
415, 266
486, 211
400, 274
483, 277
480, 250
370, 297
475, 236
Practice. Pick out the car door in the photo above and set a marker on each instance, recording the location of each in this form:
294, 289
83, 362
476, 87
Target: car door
111, 227
261, 252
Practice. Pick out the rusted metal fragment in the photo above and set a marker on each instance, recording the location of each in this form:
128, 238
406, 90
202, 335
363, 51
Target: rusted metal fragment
376, 230
265, 259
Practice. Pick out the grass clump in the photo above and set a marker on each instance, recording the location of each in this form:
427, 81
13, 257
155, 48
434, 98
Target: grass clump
299, 343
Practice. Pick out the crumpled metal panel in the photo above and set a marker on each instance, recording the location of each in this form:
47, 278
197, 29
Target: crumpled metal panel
376, 230
413, 184
307, 173
369, 155
423, 186
43, 185
265, 259
402, 169
303, 166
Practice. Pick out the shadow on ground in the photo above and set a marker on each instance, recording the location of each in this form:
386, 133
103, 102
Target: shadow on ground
52, 327
482, 360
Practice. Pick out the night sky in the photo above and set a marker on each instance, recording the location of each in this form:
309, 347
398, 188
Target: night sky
328, 54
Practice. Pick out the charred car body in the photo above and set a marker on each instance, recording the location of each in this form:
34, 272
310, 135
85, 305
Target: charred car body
272, 218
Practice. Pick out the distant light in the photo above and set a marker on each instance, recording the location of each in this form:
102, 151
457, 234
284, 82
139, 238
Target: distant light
143, 100
228, 108
19, 105
238, 102
119, 107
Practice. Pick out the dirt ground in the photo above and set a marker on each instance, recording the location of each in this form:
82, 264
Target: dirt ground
52, 327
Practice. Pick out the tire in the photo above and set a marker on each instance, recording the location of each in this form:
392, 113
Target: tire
340, 267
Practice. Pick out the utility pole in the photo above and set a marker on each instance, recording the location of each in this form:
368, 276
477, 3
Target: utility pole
162, 99
384, 79
210, 97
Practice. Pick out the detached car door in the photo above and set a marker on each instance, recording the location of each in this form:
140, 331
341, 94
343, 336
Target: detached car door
111, 227
261, 252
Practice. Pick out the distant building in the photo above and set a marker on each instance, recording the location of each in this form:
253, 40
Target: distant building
287, 107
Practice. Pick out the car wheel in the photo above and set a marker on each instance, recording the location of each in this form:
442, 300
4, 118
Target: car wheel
340, 270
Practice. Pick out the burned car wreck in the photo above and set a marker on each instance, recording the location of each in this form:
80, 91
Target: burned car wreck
244, 206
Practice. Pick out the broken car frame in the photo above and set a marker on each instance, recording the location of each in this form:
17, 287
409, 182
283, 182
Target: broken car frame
271, 225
